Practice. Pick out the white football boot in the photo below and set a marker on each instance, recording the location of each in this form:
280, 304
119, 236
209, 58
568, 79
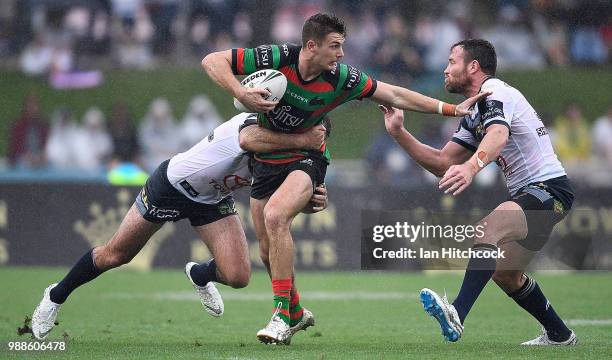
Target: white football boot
543, 340
306, 322
208, 294
43, 319
444, 313
276, 332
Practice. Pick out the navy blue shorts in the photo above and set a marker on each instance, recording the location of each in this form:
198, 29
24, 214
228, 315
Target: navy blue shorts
545, 204
160, 202
269, 177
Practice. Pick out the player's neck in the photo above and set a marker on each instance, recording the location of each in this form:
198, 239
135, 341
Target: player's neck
307, 69
476, 84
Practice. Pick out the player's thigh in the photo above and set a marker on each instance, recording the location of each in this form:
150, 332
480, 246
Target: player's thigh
511, 267
132, 234
227, 242
290, 198
505, 223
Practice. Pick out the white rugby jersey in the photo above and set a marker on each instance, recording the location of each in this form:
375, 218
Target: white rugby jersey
528, 156
216, 166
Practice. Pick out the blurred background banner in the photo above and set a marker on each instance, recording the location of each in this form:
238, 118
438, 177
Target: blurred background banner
99, 92
53, 224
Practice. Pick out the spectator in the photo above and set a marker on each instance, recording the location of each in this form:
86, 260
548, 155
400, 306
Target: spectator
60, 149
36, 58
389, 164
158, 134
572, 137
201, 118
602, 138
514, 43
93, 144
28, 136
123, 134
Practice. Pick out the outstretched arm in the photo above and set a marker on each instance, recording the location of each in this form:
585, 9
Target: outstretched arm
402, 98
434, 160
258, 139
218, 65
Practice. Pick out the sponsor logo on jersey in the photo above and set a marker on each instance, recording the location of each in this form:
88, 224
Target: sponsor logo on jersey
211, 136
230, 183
297, 96
492, 109
263, 55
353, 78
542, 131
286, 49
281, 118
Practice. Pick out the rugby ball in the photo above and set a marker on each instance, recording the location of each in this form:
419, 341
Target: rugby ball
272, 80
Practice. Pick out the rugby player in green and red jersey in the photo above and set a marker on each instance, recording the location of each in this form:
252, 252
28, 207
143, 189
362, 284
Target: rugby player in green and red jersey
283, 181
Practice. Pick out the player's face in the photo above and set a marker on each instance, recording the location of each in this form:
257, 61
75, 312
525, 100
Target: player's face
329, 52
456, 74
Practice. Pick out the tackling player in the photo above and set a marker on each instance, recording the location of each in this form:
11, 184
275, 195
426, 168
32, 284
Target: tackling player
506, 129
198, 185
284, 181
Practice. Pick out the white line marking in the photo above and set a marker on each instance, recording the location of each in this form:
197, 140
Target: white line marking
589, 322
265, 296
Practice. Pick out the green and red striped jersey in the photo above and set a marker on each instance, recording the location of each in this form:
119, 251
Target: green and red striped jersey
305, 103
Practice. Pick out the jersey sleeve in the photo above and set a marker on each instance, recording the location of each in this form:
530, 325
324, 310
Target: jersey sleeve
498, 108
248, 121
357, 84
465, 138
246, 61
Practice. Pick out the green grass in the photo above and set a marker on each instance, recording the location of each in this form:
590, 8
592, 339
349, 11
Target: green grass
121, 315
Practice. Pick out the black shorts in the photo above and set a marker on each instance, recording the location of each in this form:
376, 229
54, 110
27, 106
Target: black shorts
545, 204
159, 202
269, 177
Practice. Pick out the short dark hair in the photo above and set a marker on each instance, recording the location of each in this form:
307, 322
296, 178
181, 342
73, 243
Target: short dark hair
319, 25
482, 51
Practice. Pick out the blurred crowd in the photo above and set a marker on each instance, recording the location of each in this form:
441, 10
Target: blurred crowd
584, 147
96, 145
401, 39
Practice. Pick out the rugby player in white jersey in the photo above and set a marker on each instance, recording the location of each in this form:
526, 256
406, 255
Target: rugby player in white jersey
506, 129
198, 185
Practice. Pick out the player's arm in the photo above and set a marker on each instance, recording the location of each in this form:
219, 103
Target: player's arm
402, 98
218, 66
258, 139
436, 161
458, 177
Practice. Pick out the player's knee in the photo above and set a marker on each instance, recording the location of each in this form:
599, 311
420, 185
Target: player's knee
509, 281
107, 258
238, 278
275, 218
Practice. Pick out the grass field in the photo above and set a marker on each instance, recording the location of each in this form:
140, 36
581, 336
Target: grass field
359, 316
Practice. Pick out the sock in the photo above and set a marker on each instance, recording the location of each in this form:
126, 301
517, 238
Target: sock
531, 298
82, 272
295, 309
202, 274
479, 271
282, 293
